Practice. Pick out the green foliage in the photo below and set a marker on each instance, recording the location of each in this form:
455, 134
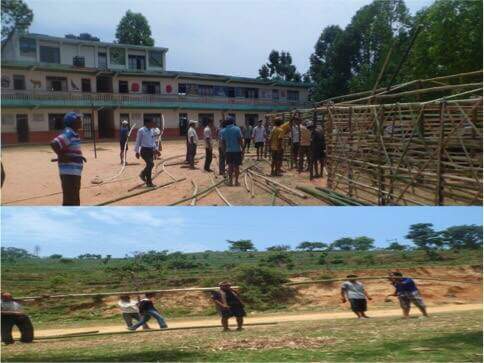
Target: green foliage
280, 67
243, 245
134, 29
311, 246
66, 260
279, 248
424, 236
279, 259
15, 15
55, 256
322, 259
262, 287
14, 253
90, 256
395, 246
361, 243
465, 236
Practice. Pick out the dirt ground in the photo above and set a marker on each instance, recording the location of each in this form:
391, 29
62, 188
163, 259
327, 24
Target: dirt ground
275, 318
32, 179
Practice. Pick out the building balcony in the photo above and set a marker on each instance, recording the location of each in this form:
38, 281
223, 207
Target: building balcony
53, 99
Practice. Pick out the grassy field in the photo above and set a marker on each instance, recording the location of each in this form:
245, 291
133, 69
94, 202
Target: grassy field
448, 337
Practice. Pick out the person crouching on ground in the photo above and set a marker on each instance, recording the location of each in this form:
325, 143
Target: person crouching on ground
13, 314
207, 135
130, 311
407, 292
228, 304
277, 150
192, 143
259, 136
232, 143
146, 148
67, 146
354, 291
147, 310
123, 139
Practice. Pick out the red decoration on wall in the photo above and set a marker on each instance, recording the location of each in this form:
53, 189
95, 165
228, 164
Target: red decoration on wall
135, 87
169, 88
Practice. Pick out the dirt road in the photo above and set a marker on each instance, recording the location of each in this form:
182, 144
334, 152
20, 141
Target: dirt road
279, 318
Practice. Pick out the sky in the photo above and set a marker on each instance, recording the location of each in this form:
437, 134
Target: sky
232, 37
122, 230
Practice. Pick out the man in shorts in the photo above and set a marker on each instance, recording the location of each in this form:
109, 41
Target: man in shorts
232, 143
14, 315
228, 304
407, 292
354, 292
259, 136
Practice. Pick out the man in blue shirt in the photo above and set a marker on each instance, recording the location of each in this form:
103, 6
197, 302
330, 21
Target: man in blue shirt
407, 292
123, 139
232, 144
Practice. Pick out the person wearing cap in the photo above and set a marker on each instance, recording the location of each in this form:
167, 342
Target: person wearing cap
354, 292
407, 292
259, 136
221, 150
207, 135
228, 304
145, 147
304, 146
13, 314
123, 139
232, 143
130, 310
147, 310
277, 150
192, 138
67, 146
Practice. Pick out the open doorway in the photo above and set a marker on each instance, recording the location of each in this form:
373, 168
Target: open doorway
22, 127
104, 84
106, 123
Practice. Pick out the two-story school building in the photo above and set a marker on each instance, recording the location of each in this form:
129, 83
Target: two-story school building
43, 77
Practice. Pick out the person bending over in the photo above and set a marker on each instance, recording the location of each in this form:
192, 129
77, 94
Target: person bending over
228, 304
13, 314
147, 310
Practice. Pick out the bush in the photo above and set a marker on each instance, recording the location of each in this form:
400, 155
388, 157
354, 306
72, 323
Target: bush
261, 287
66, 260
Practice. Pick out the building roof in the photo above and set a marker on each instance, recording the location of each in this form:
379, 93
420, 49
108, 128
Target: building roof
164, 74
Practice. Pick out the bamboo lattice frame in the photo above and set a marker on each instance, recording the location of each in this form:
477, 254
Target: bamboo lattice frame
415, 153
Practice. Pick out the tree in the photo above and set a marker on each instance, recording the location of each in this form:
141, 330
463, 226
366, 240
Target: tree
55, 256
243, 245
424, 236
395, 246
15, 15
280, 67
363, 243
14, 253
134, 29
311, 246
343, 244
465, 236
279, 259
89, 256
450, 41
279, 248
83, 36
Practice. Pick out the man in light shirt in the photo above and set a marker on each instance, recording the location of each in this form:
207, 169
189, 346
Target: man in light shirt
130, 311
207, 135
192, 143
354, 291
13, 314
304, 147
146, 148
295, 138
259, 137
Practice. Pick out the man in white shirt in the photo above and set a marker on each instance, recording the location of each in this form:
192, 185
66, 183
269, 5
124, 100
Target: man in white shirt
259, 137
355, 292
192, 143
207, 135
146, 148
130, 311
13, 314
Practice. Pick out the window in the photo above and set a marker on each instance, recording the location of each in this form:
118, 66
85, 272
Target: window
87, 125
251, 93
28, 47
123, 87
18, 82
150, 87
275, 94
102, 60
230, 91
49, 54
155, 58
136, 62
56, 121
219, 91
204, 90
293, 95
124, 117
57, 84
86, 85
182, 89
117, 56
205, 118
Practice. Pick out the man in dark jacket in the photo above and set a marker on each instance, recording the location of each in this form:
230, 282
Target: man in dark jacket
317, 152
228, 304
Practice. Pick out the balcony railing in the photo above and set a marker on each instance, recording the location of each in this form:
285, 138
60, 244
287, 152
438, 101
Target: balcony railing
84, 99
